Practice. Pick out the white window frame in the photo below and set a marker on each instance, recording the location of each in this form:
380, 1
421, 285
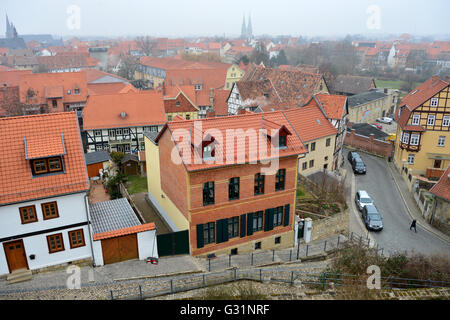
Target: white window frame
441, 141
434, 102
405, 135
414, 141
126, 131
431, 117
119, 132
415, 119
411, 158
112, 133
98, 133
446, 121
127, 148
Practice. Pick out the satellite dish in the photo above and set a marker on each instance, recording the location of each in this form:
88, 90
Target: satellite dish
123, 114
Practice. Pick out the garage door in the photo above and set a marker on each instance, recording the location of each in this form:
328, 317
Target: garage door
120, 249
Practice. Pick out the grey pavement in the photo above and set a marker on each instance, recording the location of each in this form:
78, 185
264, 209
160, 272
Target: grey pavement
135, 271
380, 184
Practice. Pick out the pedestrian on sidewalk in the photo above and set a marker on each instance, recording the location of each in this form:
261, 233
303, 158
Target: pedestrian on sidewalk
413, 225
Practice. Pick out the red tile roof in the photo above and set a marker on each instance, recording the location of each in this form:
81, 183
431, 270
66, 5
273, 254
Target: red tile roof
17, 183
442, 187
246, 122
11, 77
124, 231
39, 82
418, 96
52, 145
140, 109
333, 105
105, 88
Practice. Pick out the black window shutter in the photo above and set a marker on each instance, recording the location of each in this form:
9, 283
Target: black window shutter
219, 230
270, 218
286, 214
200, 236
266, 220
243, 224
250, 223
224, 230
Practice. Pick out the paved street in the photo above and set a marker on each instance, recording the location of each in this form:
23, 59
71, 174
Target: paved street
395, 236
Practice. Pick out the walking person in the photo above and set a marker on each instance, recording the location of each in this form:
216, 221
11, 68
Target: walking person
413, 225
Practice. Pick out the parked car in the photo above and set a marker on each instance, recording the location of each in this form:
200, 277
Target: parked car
352, 156
377, 125
358, 166
372, 218
362, 199
385, 120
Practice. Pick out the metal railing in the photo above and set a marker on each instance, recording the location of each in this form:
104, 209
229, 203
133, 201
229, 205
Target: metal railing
322, 280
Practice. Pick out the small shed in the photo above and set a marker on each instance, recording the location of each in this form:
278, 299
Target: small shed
95, 161
130, 164
118, 234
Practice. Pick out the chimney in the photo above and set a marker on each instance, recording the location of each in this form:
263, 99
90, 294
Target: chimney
211, 97
164, 88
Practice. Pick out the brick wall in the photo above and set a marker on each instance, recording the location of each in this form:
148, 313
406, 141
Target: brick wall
369, 144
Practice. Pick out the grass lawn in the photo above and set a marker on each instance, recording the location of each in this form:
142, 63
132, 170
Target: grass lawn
137, 184
394, 84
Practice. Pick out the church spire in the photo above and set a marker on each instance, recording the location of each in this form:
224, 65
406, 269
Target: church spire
243, 29
249, 28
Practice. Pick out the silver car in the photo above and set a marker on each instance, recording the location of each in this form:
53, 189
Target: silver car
362, 199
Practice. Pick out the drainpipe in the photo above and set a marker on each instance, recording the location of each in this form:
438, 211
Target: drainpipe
89, 228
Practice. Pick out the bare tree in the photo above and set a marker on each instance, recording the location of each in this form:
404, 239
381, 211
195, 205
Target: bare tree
128, 66
146, 45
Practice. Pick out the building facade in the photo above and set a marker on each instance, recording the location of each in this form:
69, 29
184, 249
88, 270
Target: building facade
423, 132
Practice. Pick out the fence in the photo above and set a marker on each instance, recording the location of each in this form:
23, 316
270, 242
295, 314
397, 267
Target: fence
321, 280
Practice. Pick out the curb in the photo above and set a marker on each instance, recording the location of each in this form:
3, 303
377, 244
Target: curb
425, 227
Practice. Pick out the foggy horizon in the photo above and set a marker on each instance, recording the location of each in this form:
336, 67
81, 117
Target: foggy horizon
179, 18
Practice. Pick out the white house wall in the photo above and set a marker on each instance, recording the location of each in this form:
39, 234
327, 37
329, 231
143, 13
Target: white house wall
71, 210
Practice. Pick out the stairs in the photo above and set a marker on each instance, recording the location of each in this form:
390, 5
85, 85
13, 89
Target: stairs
19, 276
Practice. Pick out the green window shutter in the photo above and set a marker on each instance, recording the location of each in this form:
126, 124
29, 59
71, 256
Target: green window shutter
266, 220
250, 223
243, 224
200, 236
224, 230
286, 214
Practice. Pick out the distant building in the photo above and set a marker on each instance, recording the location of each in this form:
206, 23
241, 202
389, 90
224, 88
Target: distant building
246, 31
11, 40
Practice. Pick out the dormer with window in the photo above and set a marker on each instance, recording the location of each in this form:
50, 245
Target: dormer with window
46, 156
208, 151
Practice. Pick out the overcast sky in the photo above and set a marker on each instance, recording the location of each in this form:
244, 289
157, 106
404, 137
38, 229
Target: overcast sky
175, 18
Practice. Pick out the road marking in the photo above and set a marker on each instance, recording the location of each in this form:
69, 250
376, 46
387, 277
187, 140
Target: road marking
426, 228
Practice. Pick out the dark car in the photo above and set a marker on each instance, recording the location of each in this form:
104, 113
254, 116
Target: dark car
358, 166
352, 156
372, 218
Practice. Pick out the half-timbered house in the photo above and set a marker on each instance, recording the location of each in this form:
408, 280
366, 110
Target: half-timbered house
423, 133
117, 122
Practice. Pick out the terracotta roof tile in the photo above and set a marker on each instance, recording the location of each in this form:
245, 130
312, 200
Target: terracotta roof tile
442, 187
140, 109
18, 184
333, 105
37, 147
124, 231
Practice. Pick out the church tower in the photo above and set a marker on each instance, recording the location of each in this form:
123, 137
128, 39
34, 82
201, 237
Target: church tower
249, 28
243, 29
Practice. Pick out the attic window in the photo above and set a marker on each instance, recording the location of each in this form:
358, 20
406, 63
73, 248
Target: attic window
207, 151
46, 165
282, 141
198, 87
414, 92
178, 103
76, 91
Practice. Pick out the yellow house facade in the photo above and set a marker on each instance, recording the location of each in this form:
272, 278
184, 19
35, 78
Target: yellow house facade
368, 106
156, 195
319, 156
234, 74
422, 146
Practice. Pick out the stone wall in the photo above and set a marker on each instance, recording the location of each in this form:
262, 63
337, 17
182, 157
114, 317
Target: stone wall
327, 227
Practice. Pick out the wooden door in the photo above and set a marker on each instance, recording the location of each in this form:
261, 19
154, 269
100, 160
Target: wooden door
120, 249
15, 255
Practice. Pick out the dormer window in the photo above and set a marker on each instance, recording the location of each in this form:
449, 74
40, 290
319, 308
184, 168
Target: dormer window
46, 165
76, 91
198, 87
282, 141
207, 151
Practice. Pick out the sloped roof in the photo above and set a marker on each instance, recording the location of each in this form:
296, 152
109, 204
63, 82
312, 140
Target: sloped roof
38, 82
442, 187
11, 77
365, 97
349, 84
96, 157
18, 184
123, 110
241, 149
333, 105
